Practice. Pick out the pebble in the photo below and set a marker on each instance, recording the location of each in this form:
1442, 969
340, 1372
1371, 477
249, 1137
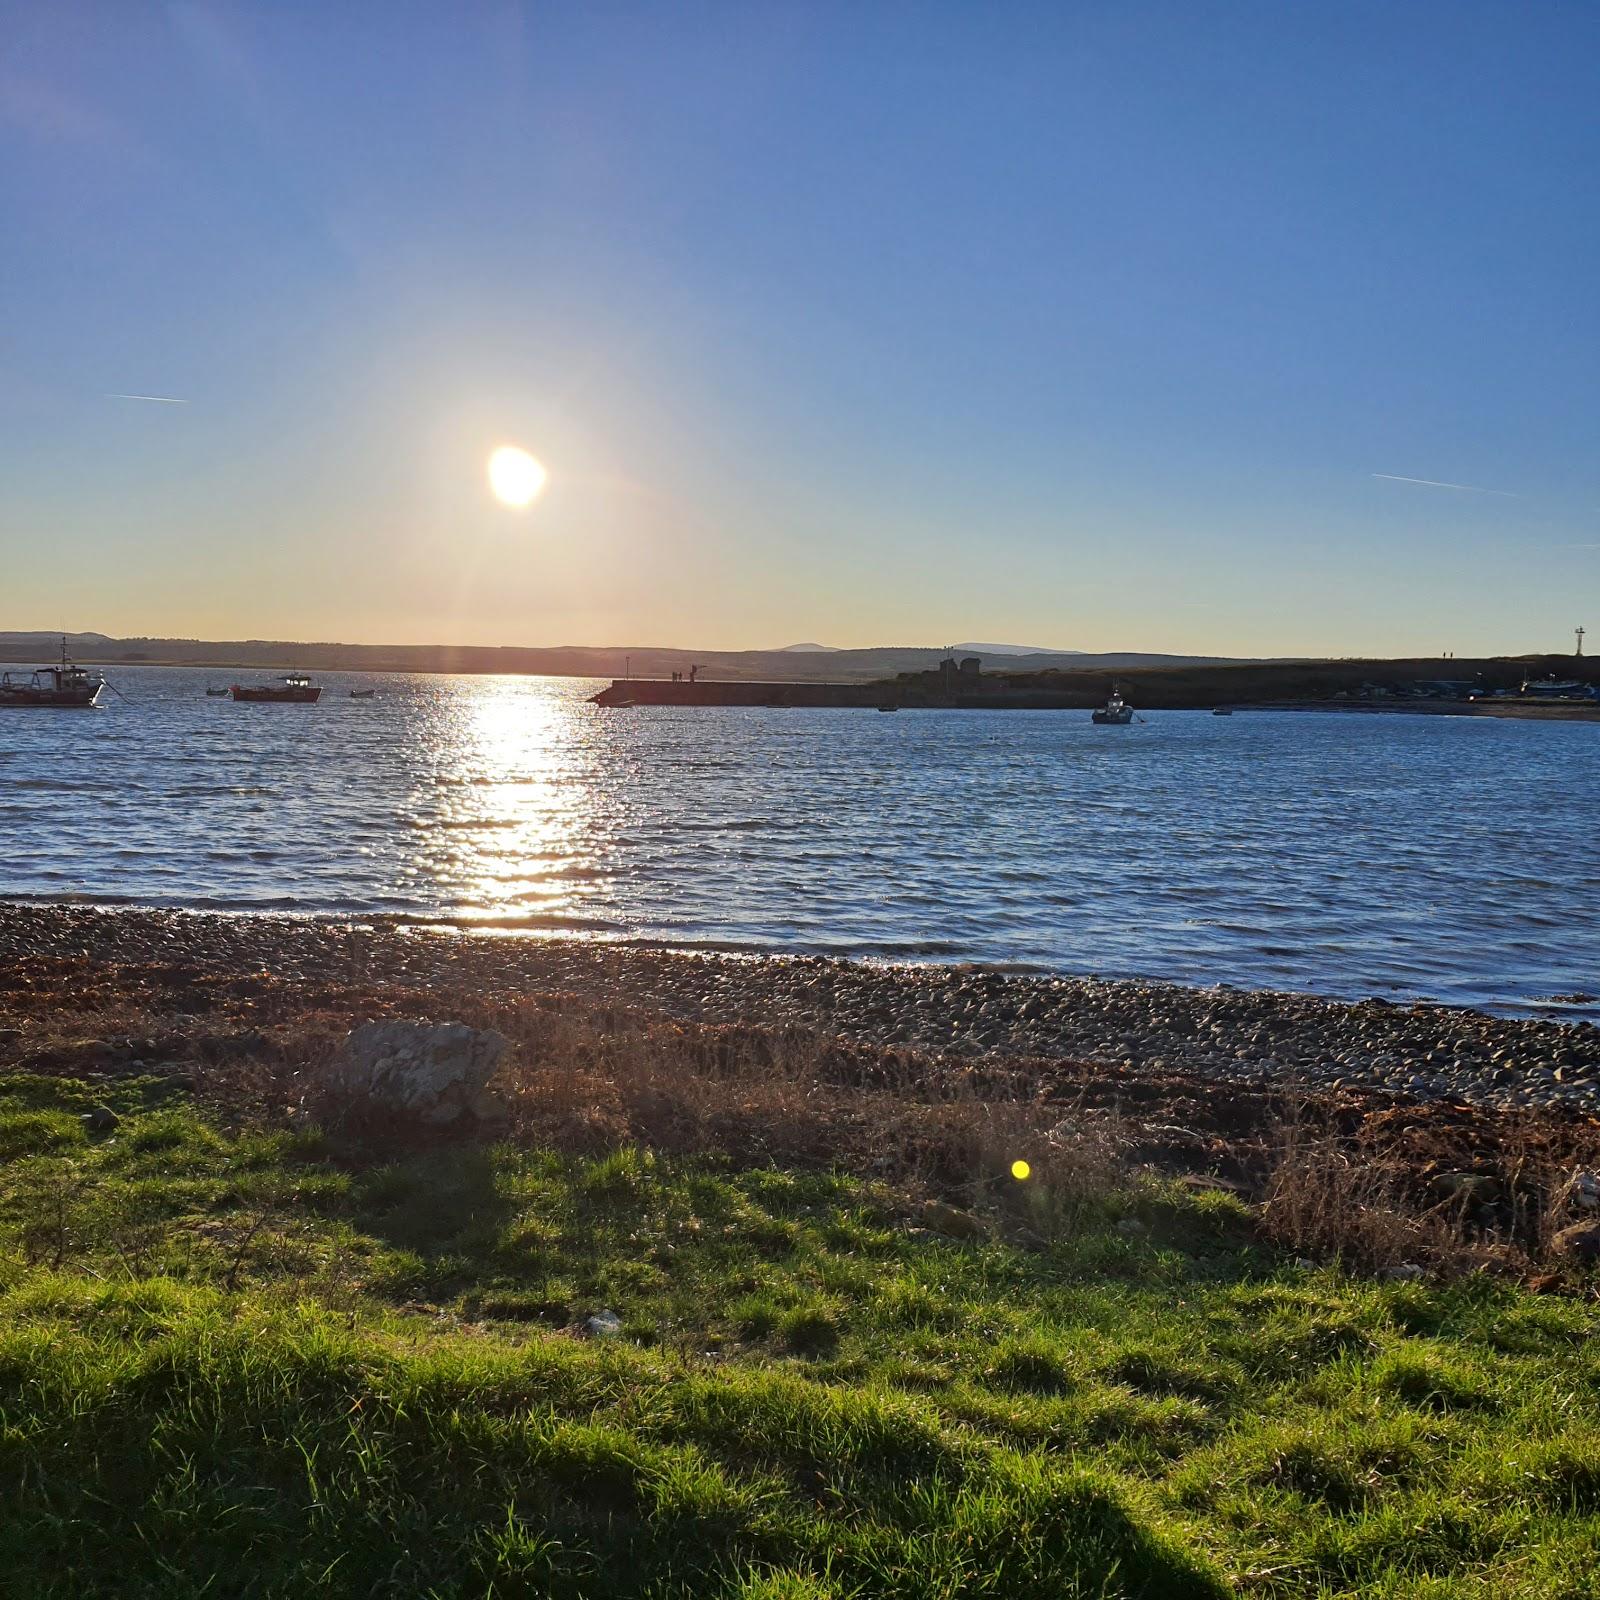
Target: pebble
1420, 1051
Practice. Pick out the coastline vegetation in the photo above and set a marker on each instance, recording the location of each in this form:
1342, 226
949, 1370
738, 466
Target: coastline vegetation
241, 1349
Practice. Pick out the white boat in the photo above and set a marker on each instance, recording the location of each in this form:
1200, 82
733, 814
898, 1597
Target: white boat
1116, 712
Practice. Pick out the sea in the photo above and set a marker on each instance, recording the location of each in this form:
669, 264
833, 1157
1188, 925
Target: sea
1442, 858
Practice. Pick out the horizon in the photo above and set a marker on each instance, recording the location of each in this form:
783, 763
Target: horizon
998, 657
1151, 331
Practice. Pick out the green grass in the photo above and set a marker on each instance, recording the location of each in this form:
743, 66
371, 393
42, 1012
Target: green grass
242, 1363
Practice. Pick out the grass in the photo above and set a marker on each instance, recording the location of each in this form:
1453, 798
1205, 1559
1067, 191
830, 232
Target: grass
245, 1359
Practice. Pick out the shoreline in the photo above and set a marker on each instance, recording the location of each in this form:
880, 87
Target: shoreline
1121, 1029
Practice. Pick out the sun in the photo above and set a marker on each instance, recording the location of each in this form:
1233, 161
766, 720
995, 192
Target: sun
515, 476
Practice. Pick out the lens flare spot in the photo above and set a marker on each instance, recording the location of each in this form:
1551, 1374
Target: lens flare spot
1021, 1170
515, 476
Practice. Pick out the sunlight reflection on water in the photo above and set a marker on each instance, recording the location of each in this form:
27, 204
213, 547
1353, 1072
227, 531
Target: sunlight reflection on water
1447, 857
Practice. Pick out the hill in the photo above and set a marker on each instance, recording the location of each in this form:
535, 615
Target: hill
795, 663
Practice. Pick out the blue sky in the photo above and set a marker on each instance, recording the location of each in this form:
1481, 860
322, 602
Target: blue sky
1086, 325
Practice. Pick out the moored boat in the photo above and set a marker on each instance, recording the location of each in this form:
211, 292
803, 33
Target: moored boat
217, 694
65, 684
362, 694
293, 689
1116, 712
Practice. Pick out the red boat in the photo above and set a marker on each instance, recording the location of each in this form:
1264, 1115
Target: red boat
293, 690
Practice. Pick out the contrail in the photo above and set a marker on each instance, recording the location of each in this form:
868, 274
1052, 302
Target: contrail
157, 399
1434, 483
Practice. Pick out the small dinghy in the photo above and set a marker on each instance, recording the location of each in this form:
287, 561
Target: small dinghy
362, 694
218, 694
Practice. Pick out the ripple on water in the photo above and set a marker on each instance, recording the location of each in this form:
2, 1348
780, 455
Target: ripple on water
1344, 855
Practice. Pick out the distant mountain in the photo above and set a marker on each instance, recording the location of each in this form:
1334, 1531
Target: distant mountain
1012, 650
807, 650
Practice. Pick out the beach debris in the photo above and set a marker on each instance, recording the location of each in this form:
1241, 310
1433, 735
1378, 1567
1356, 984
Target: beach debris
430, 1072
603, 1325
101, 1119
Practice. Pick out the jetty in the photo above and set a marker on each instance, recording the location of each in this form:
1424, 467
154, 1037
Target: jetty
1503, 686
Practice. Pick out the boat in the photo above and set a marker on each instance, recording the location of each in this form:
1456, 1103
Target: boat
1222, 711
65, 684
362, 694
1116, 712
1555, 689
218, 694
293, 689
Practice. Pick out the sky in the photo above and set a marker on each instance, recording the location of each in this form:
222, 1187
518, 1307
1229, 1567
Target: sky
1238, 328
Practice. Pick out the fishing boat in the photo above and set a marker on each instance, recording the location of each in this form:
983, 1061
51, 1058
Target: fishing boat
293, 689
1116, 712
65, 684
362, 694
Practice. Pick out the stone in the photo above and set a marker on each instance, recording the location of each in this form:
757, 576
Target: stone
1580, 1242
1132, 1228
1585, 1191
952, 1221
101, 1119
1406, 1272
430, 1072
1473, 1186
603, 1325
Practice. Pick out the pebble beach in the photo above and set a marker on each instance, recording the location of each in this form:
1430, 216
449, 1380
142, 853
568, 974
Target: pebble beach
1221, 1035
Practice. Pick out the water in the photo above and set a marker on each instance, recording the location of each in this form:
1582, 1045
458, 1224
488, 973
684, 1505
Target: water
1446, 858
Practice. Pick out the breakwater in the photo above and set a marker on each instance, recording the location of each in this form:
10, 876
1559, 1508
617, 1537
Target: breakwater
922, 691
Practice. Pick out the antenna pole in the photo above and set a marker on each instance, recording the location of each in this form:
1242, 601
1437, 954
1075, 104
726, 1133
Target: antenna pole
1578, 634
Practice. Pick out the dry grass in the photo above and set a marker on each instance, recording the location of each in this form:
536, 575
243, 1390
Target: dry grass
1362, 1180
1395, 1196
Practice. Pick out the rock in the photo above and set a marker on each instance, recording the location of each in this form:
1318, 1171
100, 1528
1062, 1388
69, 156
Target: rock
1584, 1190
101, 1119
603, 1325
432, 1072
1132, 1228
952, 1221
1580, 1242
1406, 1272
1474, 1186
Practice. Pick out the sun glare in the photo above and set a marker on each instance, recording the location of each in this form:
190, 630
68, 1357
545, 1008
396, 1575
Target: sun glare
515, 476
